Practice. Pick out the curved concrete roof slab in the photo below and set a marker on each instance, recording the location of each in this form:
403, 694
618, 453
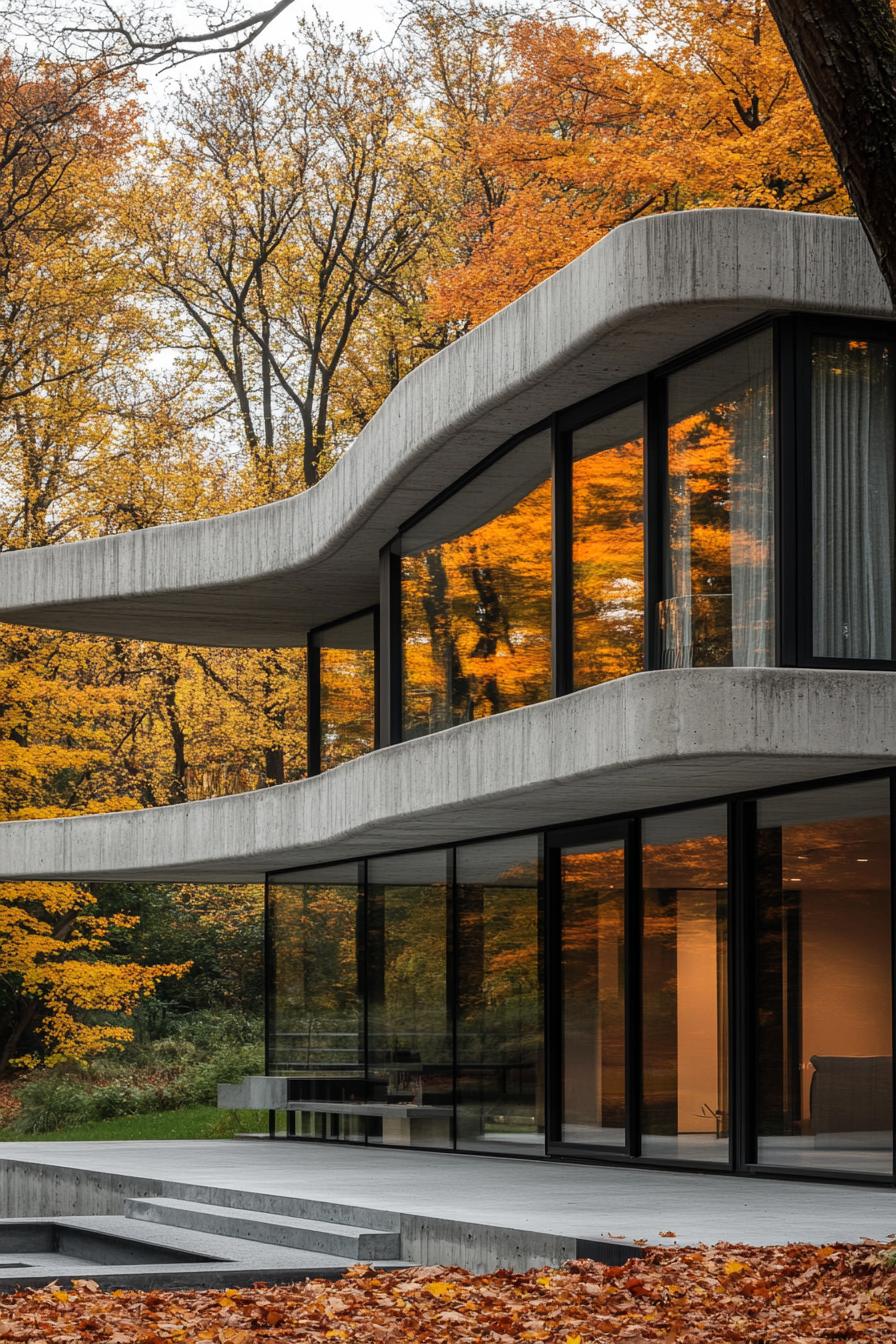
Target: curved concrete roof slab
648, 740
646, 292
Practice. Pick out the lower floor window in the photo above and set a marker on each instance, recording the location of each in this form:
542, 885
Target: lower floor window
572, 991
824, 1019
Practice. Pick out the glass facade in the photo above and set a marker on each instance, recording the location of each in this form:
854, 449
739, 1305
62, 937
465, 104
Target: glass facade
482, 998
592, 978
853, 443
608, 548
408, 1004
500, 1031
315, 994
685, 985
476, 596
824, 980
342, 718
718, 605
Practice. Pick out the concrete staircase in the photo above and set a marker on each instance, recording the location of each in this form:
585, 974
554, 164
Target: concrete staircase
322, 1235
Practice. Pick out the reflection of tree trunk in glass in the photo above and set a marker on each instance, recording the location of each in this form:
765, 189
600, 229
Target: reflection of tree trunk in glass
456, 688
661, 1014
493, 626
778, 992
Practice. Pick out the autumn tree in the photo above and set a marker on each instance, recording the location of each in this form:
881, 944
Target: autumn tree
594, 136
305, 211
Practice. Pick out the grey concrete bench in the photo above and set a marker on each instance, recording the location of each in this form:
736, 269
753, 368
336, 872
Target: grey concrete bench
402, 1121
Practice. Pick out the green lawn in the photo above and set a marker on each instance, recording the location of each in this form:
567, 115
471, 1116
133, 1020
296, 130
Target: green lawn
193, 1122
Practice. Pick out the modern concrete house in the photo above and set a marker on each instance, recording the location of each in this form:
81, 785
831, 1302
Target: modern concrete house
593, 860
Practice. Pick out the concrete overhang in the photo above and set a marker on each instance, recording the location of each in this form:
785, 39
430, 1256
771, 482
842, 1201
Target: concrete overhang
649, 740
644, 293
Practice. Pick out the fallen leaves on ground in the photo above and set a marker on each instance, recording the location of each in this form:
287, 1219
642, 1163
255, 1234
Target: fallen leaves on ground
736, 1294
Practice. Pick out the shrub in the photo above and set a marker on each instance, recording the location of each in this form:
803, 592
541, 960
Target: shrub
49, 1101
182, 1069
112, 1099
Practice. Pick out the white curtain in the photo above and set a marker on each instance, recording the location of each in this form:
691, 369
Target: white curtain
853, 418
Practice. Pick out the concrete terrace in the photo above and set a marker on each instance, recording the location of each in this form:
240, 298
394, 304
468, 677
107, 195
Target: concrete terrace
477, 1211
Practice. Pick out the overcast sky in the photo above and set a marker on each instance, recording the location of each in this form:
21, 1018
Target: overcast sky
353, 13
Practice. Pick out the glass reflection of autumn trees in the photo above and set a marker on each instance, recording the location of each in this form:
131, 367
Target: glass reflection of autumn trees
608, 549
347, 710
719, 561
476, 600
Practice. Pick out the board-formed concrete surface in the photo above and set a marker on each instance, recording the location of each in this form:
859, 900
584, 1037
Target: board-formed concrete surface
479, 1212
646, 292
648, 740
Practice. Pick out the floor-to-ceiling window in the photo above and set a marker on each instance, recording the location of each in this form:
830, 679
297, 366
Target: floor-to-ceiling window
499, 976
591, 878
608, 547
718, 543
824, 1063
852, 451
684, 1107
342, 684
482, 998
409, 988
476, 596
315, 989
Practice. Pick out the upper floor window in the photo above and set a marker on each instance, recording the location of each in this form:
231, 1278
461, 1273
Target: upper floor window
718, 551
852, 441
476, 596
342, 691
608, 548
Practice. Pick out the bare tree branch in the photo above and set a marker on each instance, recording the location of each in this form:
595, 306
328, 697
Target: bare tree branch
136, 33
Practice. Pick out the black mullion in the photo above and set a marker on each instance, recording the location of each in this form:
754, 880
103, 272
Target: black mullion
633, 934
312, 693
561, 557
655, 415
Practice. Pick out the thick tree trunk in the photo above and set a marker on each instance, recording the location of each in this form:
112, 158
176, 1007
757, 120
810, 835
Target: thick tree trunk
845, 53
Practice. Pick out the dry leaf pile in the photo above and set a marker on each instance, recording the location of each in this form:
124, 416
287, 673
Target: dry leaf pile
721, 1295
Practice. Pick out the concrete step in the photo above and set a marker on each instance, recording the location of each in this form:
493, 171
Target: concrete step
273, 1229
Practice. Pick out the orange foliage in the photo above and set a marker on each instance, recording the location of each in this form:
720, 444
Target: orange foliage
661, 105
779, 1294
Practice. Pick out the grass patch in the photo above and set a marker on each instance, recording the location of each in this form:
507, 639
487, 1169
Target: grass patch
192, 1122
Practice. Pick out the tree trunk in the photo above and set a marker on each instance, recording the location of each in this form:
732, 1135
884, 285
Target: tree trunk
845, 53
